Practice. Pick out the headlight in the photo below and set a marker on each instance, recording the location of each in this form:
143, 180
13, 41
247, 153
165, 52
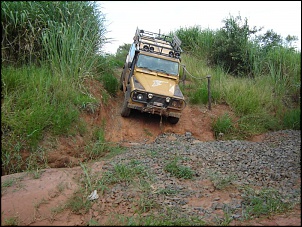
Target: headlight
168, 99
140, 97
150, 96
174, 104
177, 103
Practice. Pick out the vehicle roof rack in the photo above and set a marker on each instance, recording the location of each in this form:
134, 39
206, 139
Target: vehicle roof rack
158, 43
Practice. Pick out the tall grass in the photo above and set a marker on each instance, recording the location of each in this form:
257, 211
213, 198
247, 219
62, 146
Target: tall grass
260, 104
196, 40
67, 32
70, 47
48, 49
34, 103
264, 87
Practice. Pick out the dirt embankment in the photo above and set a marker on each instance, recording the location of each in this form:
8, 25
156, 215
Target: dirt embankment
30, 201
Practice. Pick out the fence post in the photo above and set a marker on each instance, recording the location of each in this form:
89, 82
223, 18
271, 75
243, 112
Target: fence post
183, 75
209, 90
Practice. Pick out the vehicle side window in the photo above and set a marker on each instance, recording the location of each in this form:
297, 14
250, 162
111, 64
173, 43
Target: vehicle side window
131, 52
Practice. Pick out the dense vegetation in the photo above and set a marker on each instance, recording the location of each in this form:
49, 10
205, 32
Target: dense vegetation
49, 49
258, 76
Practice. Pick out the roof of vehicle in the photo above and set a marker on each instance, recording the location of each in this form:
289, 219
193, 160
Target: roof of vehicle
158, 44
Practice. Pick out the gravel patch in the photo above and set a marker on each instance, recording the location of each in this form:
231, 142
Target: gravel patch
273, 163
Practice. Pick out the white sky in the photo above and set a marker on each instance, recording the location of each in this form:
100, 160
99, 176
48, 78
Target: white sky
123, 17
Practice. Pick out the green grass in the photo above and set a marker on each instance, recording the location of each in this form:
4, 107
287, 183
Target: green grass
262, 202
221, 181
78, 203
12, 221
110, 83
35, 103
98, 146
145, 204
222, 125
292, 119
167, 191
168, 217
261, 103
178, 170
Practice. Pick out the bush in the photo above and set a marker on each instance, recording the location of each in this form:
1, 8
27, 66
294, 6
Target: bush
110, 83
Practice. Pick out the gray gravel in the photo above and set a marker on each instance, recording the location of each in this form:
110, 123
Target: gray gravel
273, 163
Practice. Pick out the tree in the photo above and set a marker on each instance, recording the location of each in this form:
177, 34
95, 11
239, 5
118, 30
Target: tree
231, 46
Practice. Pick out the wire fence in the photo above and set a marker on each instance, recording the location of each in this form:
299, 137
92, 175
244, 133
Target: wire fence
208, 77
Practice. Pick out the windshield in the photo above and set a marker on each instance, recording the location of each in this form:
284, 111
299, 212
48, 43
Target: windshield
157, 64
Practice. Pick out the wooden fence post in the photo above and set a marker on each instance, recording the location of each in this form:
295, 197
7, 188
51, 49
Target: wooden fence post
209, 90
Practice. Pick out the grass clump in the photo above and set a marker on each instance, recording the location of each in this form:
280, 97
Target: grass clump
292, 119
78, 203
124, 173
110, 83
12, 221
220, 182
98, 145
222, 125
263, 202
179, 171
146, 203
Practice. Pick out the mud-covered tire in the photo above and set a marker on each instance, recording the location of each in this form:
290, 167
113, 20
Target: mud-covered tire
125, 112
173, 120
122, 78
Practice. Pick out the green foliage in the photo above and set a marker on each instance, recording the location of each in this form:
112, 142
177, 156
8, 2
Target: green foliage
65, 33
62, 38
195, 40
222, 125
78, 203
230, 47
35, 103
146, 204
179, 171
269, 40
261, 122
12, 221
110, 83
32, 98
105, 73
264, 202
167, 217
200, 95
121, 54
123, 173
167, 191
98, 146
292, 119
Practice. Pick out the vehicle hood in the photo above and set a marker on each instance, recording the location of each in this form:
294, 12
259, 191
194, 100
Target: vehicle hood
157, 84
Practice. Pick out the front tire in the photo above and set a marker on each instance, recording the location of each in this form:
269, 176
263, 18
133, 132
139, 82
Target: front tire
125, 112
173, 120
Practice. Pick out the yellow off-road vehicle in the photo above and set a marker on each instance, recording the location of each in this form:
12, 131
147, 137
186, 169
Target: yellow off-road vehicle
150, 76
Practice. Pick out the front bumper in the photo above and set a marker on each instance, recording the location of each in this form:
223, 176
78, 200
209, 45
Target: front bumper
162, 111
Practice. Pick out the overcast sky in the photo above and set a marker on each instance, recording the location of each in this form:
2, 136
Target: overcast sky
123, 17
